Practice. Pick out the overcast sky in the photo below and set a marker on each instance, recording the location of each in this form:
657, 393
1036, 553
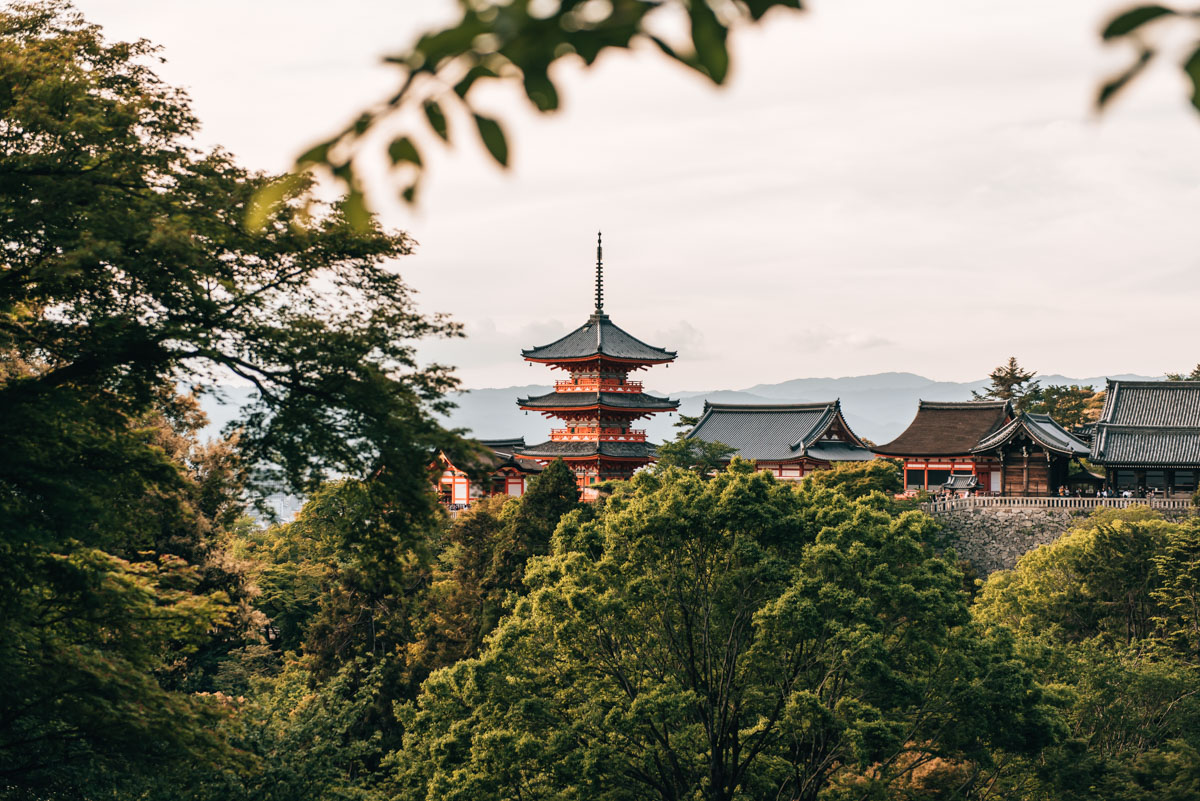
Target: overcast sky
911, 186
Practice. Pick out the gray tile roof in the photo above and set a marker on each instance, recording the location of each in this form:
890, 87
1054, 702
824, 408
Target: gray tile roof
614, 400
962, 482
777, 432
1147, 447
506, 445
599, 336
1152, 403
1149, 423
1042, 429
617, 450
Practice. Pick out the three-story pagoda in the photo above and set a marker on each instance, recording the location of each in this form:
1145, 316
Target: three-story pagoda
597, 404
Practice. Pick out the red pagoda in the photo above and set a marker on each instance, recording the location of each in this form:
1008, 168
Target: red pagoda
598, 404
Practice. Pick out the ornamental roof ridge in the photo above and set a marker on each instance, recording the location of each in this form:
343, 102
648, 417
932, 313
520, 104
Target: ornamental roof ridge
770, 407
980, 403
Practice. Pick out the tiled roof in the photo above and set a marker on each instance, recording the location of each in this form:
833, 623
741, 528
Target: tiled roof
1152, 403
567, 450
506, 445
948, 429
830, 451
1042, 429
1149, 423
1142, 446
599, 336
960, 481
613, 400
498, 454
777, 432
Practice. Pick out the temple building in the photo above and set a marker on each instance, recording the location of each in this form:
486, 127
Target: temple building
787, 440
1148, 436
504, 474
1035, 455
939, 445
597, 404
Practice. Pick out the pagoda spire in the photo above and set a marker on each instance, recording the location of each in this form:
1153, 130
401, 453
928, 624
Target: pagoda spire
599, 275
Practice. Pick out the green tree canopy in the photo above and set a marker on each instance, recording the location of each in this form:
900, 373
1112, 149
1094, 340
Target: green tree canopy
1011, 382
1071, 405
731, 638
1192, 376
857, 480
127, 272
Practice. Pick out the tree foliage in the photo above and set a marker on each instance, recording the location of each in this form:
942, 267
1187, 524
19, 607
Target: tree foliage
517, 43
1194, 375
127, 272
856, 480
1107, 614
723, 639
699, 456
1070, 406
1011, 382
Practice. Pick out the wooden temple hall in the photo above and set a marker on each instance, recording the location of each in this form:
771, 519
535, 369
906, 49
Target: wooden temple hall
983, 446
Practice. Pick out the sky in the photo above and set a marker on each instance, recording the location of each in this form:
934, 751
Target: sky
882, 186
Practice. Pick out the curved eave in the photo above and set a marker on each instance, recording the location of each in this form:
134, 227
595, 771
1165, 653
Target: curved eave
591, 457
594, 357
1017, 426
591, 407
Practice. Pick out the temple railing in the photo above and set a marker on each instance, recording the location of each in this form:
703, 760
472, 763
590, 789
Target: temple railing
962, 504
591, 434
598, 385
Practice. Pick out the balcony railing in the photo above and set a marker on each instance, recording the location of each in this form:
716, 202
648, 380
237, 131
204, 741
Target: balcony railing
593, 434
598, 385
1054, 502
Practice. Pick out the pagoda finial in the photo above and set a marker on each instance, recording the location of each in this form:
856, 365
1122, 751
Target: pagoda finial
599, 275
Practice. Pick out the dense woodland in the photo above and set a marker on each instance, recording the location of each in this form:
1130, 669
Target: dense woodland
694, 634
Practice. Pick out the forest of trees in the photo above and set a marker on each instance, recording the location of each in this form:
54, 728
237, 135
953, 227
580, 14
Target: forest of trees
696, 634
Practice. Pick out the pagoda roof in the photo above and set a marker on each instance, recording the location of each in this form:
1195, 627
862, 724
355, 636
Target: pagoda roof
943, 428
582, 450
586, 400
1042, 429
779, 432
598, 337
1149, 423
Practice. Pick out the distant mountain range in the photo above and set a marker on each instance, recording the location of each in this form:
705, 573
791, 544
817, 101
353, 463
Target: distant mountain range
877, 407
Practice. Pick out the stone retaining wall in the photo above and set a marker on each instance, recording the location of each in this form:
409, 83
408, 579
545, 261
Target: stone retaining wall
993, 538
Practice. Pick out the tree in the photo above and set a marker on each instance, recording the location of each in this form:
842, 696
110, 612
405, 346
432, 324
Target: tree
857, 480
126, 273
127, 267
699, 456
1070, 406
483, 560
1107, 614
731, 638
1192, 376
1010, 382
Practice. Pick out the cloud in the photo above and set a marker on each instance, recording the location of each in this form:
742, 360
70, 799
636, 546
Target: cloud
833, 340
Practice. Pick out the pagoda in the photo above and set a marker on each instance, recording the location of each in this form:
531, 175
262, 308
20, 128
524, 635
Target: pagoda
597, 404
